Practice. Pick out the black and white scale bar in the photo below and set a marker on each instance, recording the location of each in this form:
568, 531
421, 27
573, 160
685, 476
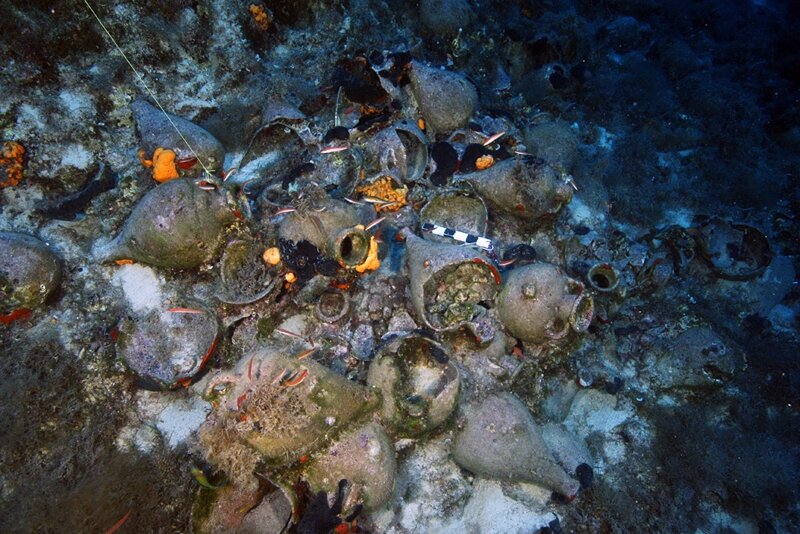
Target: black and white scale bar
457, 235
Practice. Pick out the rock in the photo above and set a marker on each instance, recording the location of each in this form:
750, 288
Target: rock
595, 411
697, 357
175, 225
555, 142
365, 458
445, 17
626, 34
569, 450
363, 342
500, 440
29, 272
446, 100
165, 349
156, 131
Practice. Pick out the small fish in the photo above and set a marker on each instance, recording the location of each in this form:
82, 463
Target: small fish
374, 223
250, 370
306, 353
119, 523
289, 333
190, 311
205, 185
296, 379
506, 263
200, 477
21, 313
186, 163
333, 149
493, 138
227, 174
284, 211
279, 376
355, 202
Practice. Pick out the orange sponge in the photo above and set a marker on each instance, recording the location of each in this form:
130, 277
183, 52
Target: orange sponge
11, 160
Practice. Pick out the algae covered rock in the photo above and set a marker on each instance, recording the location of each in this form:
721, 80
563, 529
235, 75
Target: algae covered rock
365, 458
29, 272
446, 99
175, 225
500, 440
156, 131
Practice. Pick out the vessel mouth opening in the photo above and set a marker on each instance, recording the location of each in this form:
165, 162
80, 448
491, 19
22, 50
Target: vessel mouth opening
602, 277
353, 248
582, 313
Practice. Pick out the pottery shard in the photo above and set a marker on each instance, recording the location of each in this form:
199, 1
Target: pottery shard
500, 440
446, 99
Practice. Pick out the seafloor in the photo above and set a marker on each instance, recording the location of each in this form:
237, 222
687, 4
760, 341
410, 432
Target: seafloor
660, 144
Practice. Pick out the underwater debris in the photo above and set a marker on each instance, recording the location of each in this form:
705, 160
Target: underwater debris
734, 251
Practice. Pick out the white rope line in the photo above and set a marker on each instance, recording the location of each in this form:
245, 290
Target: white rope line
144, 84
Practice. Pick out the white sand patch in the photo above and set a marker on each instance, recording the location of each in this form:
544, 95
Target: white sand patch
76, 156
141, 285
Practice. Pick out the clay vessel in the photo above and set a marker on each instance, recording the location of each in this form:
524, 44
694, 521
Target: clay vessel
500, 440
418, 384
530, 190
449, 283
365, 458
175, 225
29, 272
156, 130
446, 99
539, 303
335, 231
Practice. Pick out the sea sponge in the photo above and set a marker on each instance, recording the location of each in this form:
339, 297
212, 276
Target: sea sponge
11, 160
261, 16
163, 164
